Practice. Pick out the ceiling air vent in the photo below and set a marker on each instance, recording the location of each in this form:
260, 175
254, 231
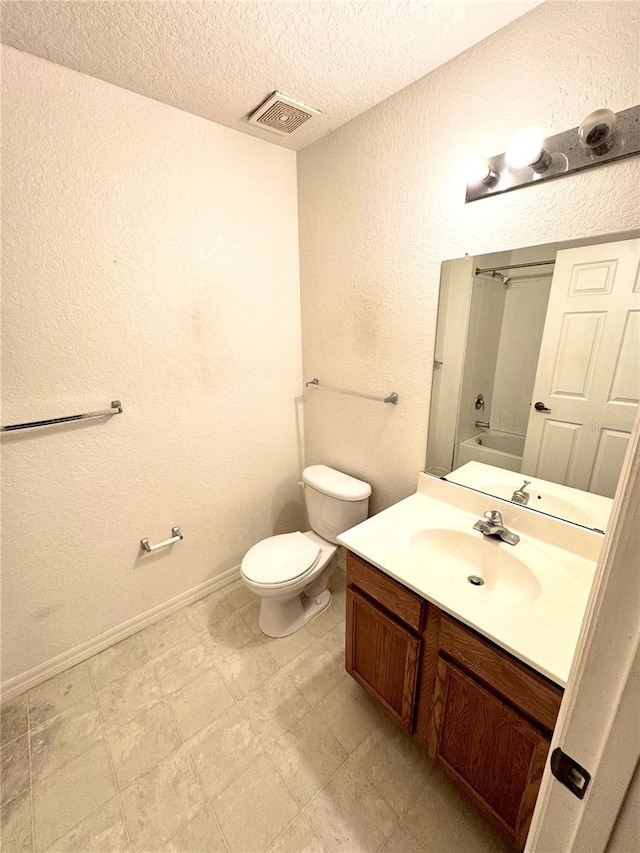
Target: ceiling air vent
281, 114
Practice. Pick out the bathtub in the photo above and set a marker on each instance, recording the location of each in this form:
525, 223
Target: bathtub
502, 449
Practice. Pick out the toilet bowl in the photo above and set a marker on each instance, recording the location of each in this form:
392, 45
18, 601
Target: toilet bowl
290, 572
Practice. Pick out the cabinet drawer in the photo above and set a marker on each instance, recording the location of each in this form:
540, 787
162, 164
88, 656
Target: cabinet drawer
536, 697
400, 601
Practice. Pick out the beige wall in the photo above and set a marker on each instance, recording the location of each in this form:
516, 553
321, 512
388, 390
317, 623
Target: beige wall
382, 205
150, 256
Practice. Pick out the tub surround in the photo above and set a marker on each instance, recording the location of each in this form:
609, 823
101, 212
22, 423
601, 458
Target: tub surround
507, 442
541, 629
502, 449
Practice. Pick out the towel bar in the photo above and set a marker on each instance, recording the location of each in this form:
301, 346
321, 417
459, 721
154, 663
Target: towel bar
390, 398
116, 409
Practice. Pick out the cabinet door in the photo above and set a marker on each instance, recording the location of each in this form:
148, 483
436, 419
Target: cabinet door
494, 753
382, 656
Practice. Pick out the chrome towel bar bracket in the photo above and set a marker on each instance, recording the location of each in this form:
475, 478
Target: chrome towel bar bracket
390, 398
116, 409
176, 536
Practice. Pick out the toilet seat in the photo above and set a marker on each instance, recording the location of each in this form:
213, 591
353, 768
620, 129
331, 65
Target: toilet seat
280, 559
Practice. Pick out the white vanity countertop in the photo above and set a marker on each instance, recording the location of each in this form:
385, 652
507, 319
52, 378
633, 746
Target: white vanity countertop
538, 623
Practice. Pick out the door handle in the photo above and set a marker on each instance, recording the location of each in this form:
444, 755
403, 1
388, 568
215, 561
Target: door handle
540, 407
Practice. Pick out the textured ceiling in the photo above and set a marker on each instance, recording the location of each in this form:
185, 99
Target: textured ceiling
219, 60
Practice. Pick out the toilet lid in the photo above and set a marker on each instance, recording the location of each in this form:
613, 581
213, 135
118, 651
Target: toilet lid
280, 558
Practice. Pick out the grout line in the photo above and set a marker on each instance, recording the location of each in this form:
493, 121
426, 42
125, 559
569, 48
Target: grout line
103, 726
65, 710
183, 745
175, 645
402, 812
317, 793
167, 693
205, 808
209, 800
21, 793
277, 663
218, 824
290, 789
33, 813
219, 598
138, 664
328, 782
397, 812
291, 822
26, 731
310, 822
412, 834
387, 837
264, 752
421, 788
96, 810
111, 765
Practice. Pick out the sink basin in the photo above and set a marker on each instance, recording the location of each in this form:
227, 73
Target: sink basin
452, 556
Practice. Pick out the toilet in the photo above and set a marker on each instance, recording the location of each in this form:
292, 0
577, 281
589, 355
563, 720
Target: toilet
290, 572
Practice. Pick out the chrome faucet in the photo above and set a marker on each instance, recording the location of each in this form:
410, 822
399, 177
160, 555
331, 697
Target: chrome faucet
520, 496
493, 526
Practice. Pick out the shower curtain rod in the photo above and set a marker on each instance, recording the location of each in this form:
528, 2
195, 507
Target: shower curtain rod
514, 267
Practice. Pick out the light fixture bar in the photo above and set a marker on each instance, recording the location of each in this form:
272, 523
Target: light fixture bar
566, 155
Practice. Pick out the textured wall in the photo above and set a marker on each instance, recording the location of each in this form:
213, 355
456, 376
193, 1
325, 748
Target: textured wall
382, 205
152, 256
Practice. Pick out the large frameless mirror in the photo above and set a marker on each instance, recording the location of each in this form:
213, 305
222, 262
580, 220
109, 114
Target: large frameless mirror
536, 377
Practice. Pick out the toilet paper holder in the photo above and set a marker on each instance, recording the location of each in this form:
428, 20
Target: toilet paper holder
176, 536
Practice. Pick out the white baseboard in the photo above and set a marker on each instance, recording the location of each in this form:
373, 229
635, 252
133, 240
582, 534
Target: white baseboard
32, 677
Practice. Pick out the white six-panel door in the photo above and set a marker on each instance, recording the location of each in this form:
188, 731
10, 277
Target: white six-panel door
588, 371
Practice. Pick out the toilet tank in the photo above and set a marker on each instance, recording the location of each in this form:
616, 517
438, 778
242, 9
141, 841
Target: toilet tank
335, 501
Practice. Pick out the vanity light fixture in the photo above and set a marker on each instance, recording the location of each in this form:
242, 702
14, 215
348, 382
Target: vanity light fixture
479, 171
525, 149
602, 137
596, 133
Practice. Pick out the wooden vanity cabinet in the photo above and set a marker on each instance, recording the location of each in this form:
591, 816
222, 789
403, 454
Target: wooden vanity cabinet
493, 752
483, 716
383, 646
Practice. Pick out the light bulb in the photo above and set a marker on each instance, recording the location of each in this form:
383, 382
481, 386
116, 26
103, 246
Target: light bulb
478, 171
596, 133
525, 149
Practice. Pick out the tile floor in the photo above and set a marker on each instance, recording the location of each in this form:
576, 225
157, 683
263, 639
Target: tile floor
201, 734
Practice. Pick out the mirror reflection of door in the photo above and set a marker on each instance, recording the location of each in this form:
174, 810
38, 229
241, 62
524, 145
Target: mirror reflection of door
588, 374
558, 325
